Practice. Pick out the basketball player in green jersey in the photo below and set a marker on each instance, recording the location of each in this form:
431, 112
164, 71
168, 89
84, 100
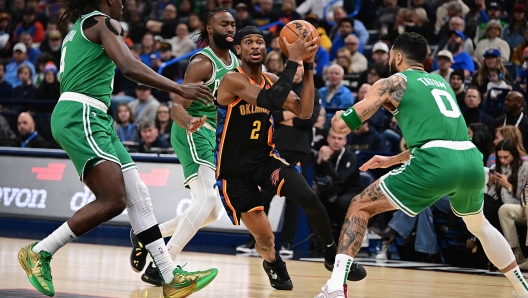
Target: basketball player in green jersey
441, 160
196, 151
81, 126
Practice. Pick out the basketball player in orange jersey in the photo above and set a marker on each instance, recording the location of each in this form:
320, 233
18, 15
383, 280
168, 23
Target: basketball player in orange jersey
246, 158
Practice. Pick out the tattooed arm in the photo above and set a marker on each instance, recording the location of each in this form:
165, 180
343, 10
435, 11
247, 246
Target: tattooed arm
388, 92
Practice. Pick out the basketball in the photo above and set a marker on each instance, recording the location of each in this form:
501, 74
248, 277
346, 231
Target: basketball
292, 30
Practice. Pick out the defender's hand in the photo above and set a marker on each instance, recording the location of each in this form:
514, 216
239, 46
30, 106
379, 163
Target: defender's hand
377, 162
195, 124
199, 92
339, 125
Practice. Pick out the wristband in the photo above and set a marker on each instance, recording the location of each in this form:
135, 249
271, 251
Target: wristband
308, 66
351, 118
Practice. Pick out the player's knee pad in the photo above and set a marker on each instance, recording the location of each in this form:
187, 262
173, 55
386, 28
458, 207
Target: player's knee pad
139, 204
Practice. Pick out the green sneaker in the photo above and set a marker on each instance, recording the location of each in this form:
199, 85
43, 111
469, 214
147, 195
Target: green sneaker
185, 283
37, 267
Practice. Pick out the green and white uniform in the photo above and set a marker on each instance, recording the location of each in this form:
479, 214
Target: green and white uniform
443, 159
198, 149
80, 123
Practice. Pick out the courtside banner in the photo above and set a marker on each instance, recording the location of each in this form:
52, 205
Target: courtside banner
49, 188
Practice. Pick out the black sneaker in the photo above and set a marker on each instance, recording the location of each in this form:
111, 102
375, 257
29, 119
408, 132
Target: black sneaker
152, 275
356, 272
249, 246
286, 249
138, 256
278, 275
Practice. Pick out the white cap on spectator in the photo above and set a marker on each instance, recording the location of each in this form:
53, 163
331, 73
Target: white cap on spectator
20, 47
124, 25
380, 46
446, 53
4, 38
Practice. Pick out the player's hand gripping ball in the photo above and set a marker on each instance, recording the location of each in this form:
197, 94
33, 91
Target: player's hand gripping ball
292, 30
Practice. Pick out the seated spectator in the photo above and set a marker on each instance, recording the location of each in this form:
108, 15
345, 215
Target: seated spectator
32, 52
337, 177
164, 122
52, 44
364, 138
358, 62
491, 60
319, 132
148, 52
513, 33
456, 81
42, 61
150, 137
444, 61
387, 16
264, 13
456, 23
124, 124
167, 26
336, 95
29, 137
375, 72
481, 137
443, 12
288, 12
522, 74
513, 115
6, 91
344, 59
518, 56
19, 58
195, 27
31, 25
185, 10
377, 121
5, 130
274, 63
493, 40
380, 53
477, 15
242, 16
145, 105
473, 112
50, 86
462, 59
496, 81
421, 24
403, 19
359, 28
507, 132
494, 12
26, 90
346, 27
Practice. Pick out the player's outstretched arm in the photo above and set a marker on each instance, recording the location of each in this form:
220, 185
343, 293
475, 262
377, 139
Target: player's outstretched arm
378, 161
385, 91
108, 33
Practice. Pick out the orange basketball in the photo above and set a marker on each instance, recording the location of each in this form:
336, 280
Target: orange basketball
292, 30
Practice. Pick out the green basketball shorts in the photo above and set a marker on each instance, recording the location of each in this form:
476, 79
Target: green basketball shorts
81, 126
435, 171
194, 150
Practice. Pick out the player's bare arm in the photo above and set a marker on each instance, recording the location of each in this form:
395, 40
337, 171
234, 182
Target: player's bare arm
106, 31
385, 92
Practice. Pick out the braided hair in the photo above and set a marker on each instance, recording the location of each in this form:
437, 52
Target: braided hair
76, 8
204, 36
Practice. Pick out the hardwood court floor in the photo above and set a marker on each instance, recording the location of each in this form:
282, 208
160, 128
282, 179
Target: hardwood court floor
87, 270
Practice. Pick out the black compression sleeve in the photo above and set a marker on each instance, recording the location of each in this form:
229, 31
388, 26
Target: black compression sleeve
274, 97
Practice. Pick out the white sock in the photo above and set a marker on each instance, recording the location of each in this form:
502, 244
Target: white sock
56, 240
516, 278
339, 275
161, 258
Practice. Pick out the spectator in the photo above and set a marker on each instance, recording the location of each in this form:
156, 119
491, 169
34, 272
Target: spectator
124, 125
496, 81
473, 113
30, 25
457, 23
359, 28
52, 44
5, 20
288, 12
444, 61
181, 43
145, 105
477, 15
185, 11
522, 74
150, 137
481, 137
195, 26
32, 52
445, 11
26, 89
494, 13
376, 72
456, 81
336, 95
167, 26
454, 9
403, 19
513, 115
518, 53
5, 130
346, 27
421, 24
225, 4
364, 138
137, 27
377, 121
380, 53
431, 13
337, 177
358, 63
513, 33
491, 60
42, 60
6, 91
274, 63
242, 17
148, 52
344, 59
507, 132
387, 16
29, 137
493, 40
264, 13
164, 122
462, 59
19, 58
50, 87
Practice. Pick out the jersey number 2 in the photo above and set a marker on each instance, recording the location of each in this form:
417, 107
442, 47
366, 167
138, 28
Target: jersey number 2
454, 112
254, 132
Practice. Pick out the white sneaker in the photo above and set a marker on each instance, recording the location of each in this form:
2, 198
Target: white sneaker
384, 253
335, 294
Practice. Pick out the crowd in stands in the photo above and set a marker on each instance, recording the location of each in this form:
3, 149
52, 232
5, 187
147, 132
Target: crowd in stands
479, 47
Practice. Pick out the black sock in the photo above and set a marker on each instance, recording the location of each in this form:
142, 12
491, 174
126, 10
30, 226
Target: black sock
278, 260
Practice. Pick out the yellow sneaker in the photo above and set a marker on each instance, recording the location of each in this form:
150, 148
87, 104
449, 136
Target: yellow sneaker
37, 267
185, 283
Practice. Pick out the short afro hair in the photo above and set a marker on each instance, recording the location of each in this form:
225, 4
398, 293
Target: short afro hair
412, 45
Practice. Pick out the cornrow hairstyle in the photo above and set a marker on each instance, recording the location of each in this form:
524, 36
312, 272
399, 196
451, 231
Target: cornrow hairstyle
76, 8
204, 36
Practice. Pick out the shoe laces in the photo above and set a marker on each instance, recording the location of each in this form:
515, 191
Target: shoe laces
183, 272
44, 260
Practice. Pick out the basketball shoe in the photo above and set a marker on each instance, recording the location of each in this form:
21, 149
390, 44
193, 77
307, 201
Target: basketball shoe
278, 275
185, 283
356, 272
138, 256
325, 293
151, 275
37, 267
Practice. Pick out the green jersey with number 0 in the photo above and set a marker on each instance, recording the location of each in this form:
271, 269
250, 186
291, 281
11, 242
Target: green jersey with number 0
198, 109
84, 66
428, 110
